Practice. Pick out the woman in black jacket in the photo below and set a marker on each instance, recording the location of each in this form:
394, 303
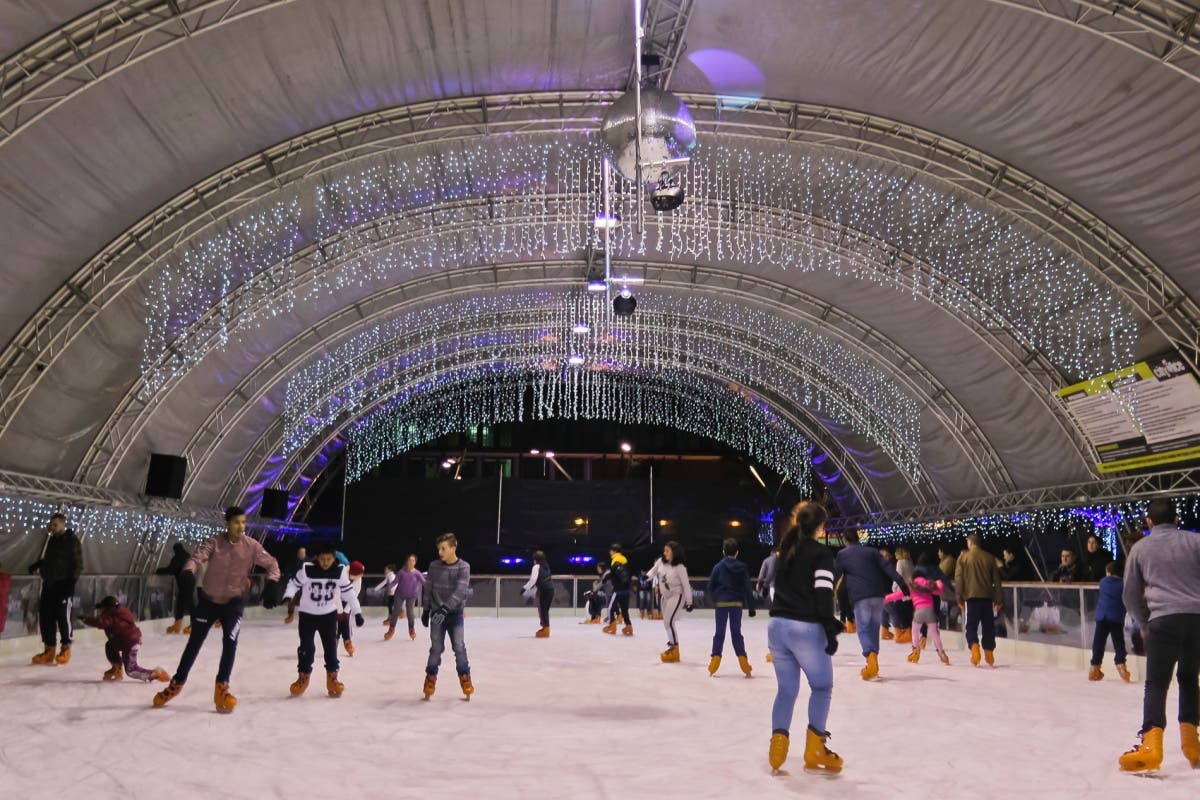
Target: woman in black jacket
184, 595
541, 580
802, 636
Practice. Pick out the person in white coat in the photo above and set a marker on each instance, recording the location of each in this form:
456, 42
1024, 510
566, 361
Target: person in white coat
672, 578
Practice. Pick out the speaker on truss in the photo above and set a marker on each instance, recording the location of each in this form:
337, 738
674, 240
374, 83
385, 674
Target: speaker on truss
274, 504
165, 476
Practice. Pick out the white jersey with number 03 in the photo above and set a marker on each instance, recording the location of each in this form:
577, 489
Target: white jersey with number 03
319, 589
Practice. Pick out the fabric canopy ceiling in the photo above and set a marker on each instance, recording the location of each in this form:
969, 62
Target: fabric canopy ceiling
988, 124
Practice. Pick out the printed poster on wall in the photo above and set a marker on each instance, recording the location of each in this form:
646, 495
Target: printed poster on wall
1146, 415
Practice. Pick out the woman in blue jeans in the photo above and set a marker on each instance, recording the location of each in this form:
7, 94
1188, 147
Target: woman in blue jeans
802, 637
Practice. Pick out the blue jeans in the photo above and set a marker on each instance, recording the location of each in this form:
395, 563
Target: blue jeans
795, 647
732, 614
451, 624
868, 618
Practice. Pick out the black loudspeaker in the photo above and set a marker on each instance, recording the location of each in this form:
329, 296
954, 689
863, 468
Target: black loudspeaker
165, 476
274, 504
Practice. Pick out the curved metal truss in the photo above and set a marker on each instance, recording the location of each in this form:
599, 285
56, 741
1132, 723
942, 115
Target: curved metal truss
94, 46
68, 312
134, 410
778, 298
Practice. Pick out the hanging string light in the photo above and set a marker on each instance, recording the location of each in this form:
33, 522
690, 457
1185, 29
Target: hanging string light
532, 330
534, 197
25, 515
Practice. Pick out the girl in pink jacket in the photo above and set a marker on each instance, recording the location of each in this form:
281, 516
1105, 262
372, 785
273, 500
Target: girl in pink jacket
924, 612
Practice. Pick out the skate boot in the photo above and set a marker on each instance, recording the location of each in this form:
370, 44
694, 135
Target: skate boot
168, 694
945, 658
914, 656
627, 630
187, 631
744, 663
1124, 673
777, 753
430, 686
610, 628
412, 635
464, 682
389, 633
44, 657
176, 627
817, 755
594, 621
871, 670
1094, 674
288, 619
1144, 757
714, 664
115, 673
64, 655
542, 633
670, 655
886, 633
333, 686
990, 657
300, 685
975, 654
770, 658
349, 647
1189, 740
851, 627
222, 699
160, 674
904, 636
217, 624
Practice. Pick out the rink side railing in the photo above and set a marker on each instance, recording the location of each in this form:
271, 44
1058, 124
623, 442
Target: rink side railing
1048, 613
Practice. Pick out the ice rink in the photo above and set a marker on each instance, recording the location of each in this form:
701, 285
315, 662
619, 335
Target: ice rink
580, 715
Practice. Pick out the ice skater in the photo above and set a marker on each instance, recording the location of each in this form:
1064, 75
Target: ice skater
977, 585
388, 587
867, 578
184, 601
60, 567
802, 636
924, 592
596, 596
541, 580
230, 558
671, 574
729, 588
445, 598
123, 640
318, 586
355, 570
1110, 623
618, 603
409, 582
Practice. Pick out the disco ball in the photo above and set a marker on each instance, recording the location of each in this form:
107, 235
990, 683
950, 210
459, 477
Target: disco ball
668, 131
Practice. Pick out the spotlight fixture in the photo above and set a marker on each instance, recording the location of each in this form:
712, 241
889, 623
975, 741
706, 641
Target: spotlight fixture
626, 447
446, 465
549, 454
668, 195
580, 521
575, 360
535, 452
597, 285
734, 523
662, 523
580, 328
624, 304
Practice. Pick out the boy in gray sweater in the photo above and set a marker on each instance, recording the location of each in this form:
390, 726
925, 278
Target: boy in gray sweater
445, 596
1162, 594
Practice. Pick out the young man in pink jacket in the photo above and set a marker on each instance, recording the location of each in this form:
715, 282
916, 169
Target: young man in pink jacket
230, 558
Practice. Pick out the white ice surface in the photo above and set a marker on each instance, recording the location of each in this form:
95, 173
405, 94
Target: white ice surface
580, 715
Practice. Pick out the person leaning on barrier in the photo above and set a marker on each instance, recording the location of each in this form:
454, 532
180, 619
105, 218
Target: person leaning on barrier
1162, 594
1095, 561
1068, 569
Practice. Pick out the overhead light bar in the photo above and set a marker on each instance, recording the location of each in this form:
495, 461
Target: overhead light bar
609, 222
575, 360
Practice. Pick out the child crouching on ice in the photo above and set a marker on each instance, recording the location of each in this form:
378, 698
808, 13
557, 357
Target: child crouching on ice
124, 641
924, 612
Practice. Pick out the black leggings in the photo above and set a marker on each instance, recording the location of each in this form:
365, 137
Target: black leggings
619, 604
185, 601
545, 598
207, 612
312, 625
54, 611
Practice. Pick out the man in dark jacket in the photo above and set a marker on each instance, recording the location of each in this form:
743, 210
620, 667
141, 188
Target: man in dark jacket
1068, 568
60, 566
618, 604
867, 577
185, 599
729, 588
1096, 561
977, 584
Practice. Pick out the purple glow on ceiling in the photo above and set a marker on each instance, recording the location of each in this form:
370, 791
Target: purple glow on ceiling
734, 77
